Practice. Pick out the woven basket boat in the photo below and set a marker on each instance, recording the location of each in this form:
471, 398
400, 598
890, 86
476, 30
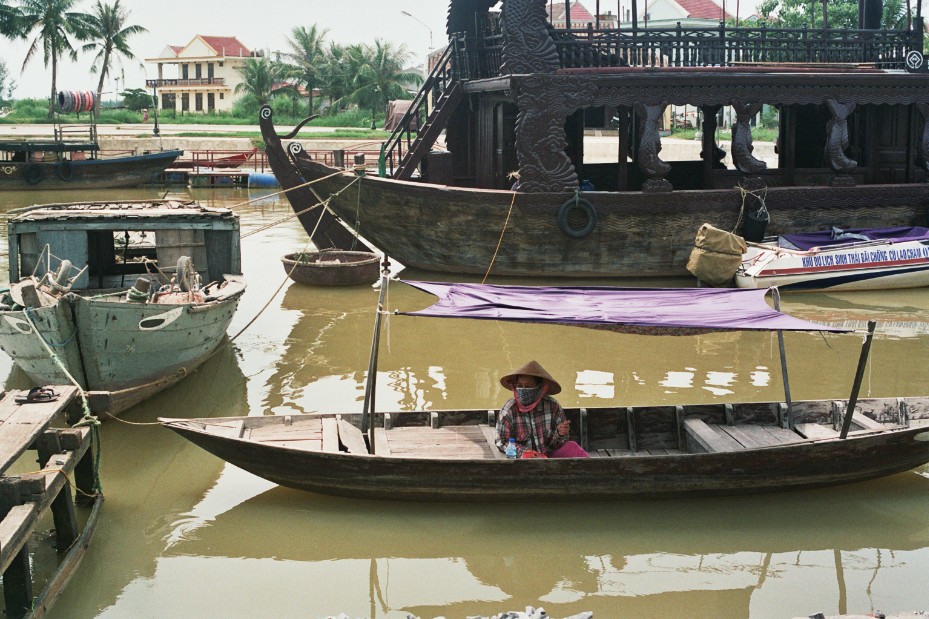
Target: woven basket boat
332, 267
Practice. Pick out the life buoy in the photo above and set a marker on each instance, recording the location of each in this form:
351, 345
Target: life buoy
65, 170
33, 173
588, 209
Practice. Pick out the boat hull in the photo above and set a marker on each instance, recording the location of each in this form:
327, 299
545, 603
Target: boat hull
849, 268
130, 171
787, 467
120, 352
475, 231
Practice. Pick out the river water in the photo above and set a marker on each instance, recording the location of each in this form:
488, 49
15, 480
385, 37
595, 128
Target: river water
184, 534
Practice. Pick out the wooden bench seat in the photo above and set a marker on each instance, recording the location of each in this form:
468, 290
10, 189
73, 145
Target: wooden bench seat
713, 438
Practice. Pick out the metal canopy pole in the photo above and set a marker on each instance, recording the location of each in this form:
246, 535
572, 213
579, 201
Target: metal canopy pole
856, 386
780, 347
567, 14
371, 382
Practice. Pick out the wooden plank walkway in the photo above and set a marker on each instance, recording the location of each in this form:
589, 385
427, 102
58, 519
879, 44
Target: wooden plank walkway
62, 452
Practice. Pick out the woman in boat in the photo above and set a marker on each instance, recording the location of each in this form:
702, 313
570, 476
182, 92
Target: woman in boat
533, 418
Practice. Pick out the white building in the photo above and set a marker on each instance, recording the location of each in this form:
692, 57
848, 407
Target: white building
204, 76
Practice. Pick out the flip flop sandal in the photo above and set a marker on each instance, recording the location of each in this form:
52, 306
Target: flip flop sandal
38, 394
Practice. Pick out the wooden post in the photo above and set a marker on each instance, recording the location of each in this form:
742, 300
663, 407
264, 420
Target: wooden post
862, 363
66, 530
371, 383
780, 347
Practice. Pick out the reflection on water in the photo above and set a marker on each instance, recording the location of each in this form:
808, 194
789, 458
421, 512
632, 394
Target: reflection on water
183, 534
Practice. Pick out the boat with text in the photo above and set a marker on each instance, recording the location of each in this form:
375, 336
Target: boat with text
123, 299
651, 451
516, 190
839, 260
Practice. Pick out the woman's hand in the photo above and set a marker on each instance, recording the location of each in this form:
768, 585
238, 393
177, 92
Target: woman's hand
564, 428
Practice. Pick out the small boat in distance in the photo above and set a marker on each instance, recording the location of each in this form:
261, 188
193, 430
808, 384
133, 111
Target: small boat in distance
124, 298
839, 260
654, 451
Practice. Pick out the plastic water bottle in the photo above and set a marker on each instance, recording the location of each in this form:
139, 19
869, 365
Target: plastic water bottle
511, 448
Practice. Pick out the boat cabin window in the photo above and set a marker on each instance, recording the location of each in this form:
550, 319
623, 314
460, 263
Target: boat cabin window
113, 254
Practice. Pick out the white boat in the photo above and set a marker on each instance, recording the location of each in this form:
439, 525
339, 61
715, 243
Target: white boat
109, 295
837, 259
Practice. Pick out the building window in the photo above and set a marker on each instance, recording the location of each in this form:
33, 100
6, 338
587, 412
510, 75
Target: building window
199, 102
222, 96
210, 102
185, 102
168, 101
185, 72
198, 70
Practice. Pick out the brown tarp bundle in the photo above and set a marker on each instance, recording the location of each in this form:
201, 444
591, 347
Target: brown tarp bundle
395, 111
716, 255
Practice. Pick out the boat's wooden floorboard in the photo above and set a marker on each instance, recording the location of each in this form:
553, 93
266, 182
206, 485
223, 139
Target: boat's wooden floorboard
443, 443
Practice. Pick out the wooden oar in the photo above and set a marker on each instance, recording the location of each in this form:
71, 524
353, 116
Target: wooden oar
862, 362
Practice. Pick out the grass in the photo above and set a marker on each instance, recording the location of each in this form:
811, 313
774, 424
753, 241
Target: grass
759, 134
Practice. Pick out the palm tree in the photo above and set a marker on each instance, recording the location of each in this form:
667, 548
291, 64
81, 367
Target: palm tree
8, 19
381, 76
108, 35
260, 79
306, 57
50, 23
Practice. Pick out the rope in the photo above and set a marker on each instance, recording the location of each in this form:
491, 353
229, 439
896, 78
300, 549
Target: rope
88, 418
500, 241
283, 191
323, 203
760, 195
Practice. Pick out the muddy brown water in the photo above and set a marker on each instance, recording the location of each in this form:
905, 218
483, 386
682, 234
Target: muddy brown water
184, 534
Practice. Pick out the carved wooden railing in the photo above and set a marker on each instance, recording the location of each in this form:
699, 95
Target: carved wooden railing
401, 140
722, 46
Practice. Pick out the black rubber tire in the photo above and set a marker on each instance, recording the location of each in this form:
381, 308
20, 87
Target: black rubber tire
589, 211
65, 170
33, 173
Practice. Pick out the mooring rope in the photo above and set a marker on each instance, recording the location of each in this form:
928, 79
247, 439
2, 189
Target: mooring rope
88, 418
759, 194
500, 241
323, 203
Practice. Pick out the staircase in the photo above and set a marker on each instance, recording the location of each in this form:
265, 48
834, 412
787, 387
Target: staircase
402, 153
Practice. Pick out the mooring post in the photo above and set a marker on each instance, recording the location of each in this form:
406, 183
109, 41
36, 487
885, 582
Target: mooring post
368, 407
859, 374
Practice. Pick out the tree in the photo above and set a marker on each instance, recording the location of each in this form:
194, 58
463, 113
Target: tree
50, 23
108, 34
9, 19
379, 75
306, 58
335, 76
841, 14
7, 86
137, 99
260, 79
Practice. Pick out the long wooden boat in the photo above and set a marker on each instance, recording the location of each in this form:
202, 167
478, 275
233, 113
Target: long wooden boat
59, 167
638, 452
839, 260
157, 287
517, 190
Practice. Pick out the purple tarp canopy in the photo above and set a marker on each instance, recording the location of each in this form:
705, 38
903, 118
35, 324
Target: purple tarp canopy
837, 236
651, 308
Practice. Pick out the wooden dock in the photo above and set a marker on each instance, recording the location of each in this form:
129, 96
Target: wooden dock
64, 455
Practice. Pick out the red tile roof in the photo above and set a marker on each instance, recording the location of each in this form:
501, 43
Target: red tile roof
703, 9
177, 49
579, 14
226, 46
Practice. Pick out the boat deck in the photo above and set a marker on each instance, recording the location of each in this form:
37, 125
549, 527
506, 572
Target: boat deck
476, 441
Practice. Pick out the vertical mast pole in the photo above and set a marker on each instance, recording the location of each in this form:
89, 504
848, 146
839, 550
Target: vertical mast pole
859, 373
783, 355
371, 382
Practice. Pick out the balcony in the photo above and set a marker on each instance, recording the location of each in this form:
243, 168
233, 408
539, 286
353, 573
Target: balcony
199, 81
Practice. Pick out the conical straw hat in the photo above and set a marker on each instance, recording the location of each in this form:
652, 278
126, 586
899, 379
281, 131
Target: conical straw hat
531, 369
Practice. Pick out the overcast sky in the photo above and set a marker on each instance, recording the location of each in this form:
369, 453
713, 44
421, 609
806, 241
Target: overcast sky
262, 24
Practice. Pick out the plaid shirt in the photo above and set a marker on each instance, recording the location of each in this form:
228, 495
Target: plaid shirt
536, 429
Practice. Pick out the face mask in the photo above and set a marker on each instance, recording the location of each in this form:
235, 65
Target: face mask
527, 396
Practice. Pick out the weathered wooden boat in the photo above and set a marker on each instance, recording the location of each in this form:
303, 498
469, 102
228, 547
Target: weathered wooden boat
332, 267
638, 452
136, 317
839, 260
517, 192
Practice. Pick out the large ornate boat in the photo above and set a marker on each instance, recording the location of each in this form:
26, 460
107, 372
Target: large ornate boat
122, 299
515, 194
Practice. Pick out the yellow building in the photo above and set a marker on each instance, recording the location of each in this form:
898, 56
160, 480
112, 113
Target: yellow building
205, 71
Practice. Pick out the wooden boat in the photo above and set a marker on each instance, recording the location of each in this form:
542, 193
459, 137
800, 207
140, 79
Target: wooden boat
135, 318
66, 165
518, 192
332, 267
839, 260
638, 452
